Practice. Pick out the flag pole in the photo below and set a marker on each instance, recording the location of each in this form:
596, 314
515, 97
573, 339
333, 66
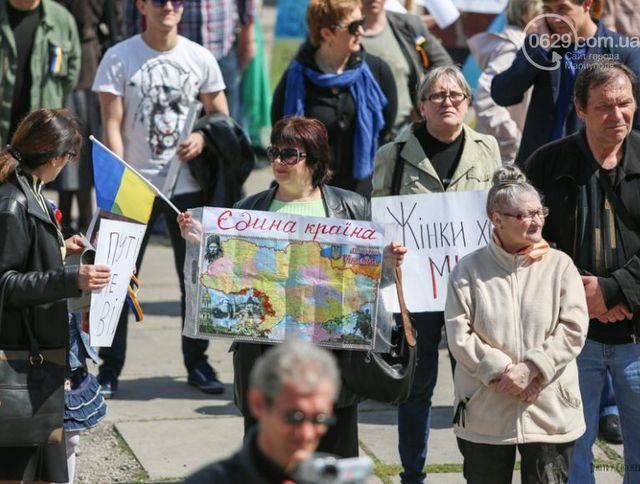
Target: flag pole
151, 185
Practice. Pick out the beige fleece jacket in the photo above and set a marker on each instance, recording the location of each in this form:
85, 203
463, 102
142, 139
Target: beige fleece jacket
501, 309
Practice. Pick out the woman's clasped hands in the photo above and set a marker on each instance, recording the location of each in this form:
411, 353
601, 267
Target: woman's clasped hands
520, 379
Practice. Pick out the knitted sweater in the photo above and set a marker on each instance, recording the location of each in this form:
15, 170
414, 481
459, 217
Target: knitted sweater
502, 308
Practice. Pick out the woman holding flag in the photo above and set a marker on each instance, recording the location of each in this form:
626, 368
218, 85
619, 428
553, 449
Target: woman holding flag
33, 279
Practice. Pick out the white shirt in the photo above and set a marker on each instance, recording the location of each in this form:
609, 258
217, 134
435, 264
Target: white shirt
157, 90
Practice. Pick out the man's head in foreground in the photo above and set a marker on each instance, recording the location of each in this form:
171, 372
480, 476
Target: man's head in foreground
292, 390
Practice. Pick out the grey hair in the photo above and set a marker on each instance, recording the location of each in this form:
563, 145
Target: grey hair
452, 72
507, 187
297, 362
520, 12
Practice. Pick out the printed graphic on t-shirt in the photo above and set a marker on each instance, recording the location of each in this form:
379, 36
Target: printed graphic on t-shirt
165, 97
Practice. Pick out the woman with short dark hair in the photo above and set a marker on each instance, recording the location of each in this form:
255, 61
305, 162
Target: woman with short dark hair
32, 249
300, 158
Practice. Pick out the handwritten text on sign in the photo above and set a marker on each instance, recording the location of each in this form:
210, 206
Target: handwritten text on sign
438, 229
118, 247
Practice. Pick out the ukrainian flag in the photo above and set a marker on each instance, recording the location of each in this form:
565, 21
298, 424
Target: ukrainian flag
119, 188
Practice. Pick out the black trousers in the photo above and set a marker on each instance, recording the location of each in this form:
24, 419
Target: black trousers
193, 350
340, 440
493, 464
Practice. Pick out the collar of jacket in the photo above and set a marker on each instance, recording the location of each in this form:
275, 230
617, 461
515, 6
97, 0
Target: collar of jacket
335, 209
413, 154
506, 260
33, 207
570, 167
45, 18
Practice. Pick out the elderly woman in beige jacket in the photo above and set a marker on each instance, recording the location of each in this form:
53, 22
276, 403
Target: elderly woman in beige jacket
437, 155
516, 318
494, 52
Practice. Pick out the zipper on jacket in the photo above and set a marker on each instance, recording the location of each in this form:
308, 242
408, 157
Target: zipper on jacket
518, 321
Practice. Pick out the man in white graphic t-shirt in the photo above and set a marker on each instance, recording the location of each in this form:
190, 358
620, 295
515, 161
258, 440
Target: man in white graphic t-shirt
146, 85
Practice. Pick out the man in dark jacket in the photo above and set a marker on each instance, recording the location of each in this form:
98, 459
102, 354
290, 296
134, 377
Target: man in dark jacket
591, 184
550, 63
292, 390
403, 42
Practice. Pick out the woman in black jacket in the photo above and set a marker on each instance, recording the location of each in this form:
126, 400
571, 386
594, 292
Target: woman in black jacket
33, 249
334, 80
300, 160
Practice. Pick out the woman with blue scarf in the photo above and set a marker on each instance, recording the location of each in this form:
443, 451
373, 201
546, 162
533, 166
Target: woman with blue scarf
351, 92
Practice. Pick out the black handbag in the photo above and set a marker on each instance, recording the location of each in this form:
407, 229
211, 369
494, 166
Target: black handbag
386, 377
31, 390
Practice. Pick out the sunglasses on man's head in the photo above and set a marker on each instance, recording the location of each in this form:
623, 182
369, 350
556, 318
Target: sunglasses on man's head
288, 156
352, 27
162, 3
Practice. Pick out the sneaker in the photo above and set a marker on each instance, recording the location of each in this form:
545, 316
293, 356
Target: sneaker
108, 384
610, 429
204, 377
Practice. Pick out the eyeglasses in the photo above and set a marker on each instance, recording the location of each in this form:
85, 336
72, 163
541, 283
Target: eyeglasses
297, 417
541, 213
287, 156
162, 3
71, 156
456, 97
352, 27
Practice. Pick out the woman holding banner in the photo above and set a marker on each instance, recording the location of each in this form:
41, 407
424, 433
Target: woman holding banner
439, 154
300, 158
516, 318
35, 283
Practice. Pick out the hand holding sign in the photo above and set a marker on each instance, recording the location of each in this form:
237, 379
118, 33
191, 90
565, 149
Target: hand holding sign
117, 249
91, 277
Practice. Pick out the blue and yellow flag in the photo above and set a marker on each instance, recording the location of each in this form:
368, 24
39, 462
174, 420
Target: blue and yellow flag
119, 188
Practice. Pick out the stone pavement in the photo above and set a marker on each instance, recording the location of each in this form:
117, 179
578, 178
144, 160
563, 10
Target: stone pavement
172, 429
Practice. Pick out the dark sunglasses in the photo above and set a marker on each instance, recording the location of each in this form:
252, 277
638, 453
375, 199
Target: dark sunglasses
296, 417
288, 156
162, 3
352, 27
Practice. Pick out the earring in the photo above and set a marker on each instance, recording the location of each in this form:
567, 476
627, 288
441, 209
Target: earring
331, 44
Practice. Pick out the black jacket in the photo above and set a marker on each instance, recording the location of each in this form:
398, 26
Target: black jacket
226, 162
555, 170
406, 27
241, 467
340, 204
509, 87
337, 111
29, 244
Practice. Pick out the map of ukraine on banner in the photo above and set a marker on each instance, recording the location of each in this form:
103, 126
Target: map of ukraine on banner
119, 188
267, 277
438, 230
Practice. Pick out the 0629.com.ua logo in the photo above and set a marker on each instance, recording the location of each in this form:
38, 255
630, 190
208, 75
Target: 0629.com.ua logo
557, 36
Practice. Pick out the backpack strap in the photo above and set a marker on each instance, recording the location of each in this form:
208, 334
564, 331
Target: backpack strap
398, 169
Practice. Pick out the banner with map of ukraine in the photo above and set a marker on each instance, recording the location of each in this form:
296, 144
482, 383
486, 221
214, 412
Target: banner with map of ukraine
268, 277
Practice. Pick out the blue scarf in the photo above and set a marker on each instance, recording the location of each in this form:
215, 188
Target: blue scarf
367, 95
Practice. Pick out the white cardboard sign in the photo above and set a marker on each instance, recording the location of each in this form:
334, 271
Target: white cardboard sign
438, 229
118, 246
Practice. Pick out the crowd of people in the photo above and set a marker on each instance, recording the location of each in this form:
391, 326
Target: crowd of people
541, 324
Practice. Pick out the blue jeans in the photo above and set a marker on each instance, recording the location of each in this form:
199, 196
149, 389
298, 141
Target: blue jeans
608, 398
623, 362
414, 415
232, 75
